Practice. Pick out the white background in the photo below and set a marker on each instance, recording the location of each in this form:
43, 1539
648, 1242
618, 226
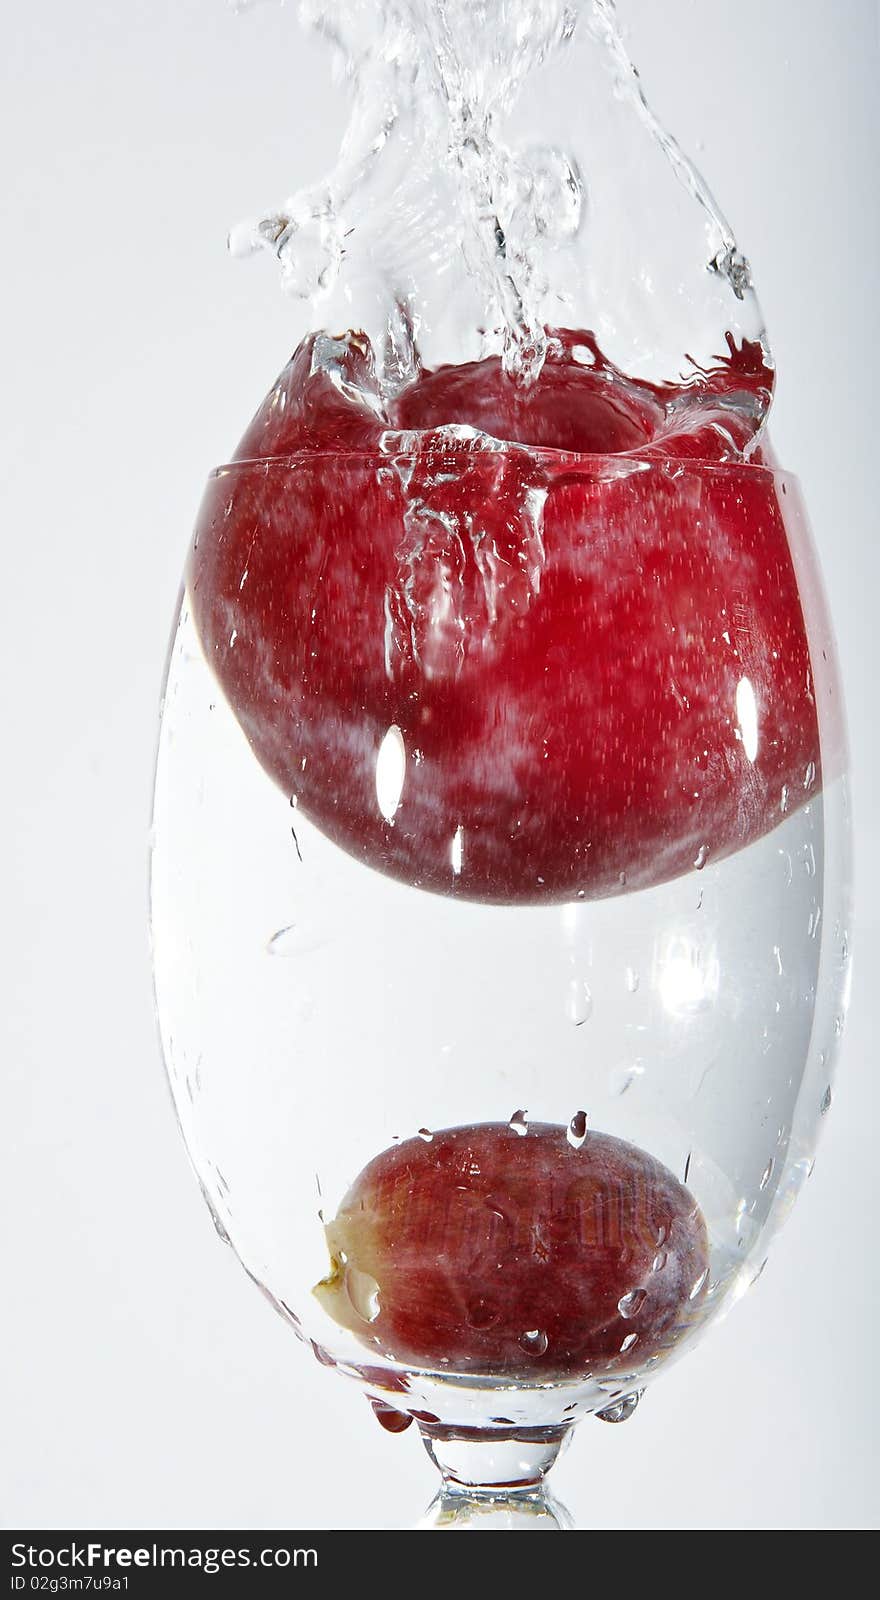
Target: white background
144, 1382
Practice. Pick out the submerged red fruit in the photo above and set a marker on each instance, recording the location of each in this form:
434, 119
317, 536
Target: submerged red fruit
595, 666
485, 1250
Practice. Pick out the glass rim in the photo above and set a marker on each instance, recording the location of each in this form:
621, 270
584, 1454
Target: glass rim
608, 465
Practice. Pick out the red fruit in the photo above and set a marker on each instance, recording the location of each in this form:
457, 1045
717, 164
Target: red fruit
485, 1250
561, 645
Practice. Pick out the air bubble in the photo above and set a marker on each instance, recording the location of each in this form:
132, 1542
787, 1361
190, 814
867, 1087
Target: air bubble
700, 1284
534, 1341
629, 1305
701, 857
825, 1107
579, 1003
632, 980
297, 939
481, 1314
622, 1078
767, 1174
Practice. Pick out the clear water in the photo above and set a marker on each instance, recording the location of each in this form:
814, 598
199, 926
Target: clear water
315, 1011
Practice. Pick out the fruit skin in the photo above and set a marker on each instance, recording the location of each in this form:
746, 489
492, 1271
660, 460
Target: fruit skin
484, 1250
560, 641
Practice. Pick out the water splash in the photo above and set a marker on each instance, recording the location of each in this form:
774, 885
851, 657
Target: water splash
502, 174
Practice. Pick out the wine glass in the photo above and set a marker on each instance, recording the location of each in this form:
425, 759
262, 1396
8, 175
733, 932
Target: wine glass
499, 896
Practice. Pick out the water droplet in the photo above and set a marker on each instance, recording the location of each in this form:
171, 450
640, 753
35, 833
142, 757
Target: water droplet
767, 1174
622, 1078
810, 775
632, 980
389, 1419
783, 799
621, 878
622, 1409
518, 1123
534, 1341
701, 857
825, 1107
363, 1292
659, 1261
700, 1284
426, 1134
482, 1313
629, 1342
577, 1130
629, 1305
579, 1003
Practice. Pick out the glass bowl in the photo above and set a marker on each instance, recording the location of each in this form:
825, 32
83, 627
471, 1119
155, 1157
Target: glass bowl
499, 895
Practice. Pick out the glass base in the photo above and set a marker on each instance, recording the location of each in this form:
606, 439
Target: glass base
494, 1480
495, 1511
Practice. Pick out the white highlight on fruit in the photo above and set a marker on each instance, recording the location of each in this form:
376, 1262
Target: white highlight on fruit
457, 849
747, 716
390, 772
